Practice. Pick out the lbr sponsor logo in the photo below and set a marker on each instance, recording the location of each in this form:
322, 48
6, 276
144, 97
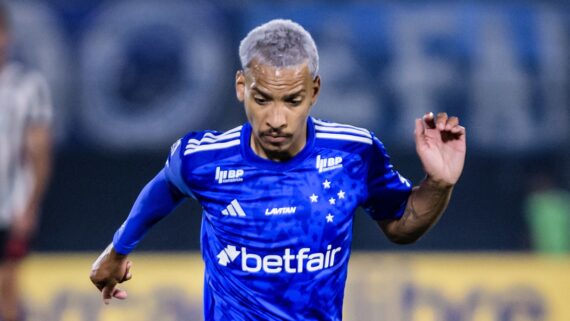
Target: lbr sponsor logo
229, 176
289, 262
328, 164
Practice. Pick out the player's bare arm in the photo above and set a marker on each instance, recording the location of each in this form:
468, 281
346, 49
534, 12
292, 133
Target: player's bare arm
441, 147
110, 269
38, 153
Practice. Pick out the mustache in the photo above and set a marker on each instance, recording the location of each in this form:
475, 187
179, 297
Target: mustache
275, 133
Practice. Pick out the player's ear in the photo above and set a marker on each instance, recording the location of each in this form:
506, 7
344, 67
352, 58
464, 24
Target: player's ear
316, 89
240, 85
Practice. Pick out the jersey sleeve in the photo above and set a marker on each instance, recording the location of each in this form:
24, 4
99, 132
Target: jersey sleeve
174, 167
157, 199
388, 191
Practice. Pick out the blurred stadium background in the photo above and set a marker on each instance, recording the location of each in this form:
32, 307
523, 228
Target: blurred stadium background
130, 77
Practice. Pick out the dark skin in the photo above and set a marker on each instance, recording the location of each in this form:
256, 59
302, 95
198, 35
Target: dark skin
110, 269
440, 145
277, 103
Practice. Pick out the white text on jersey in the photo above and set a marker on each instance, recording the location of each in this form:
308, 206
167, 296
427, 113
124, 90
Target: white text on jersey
303, 261
229, 176
327, 164
280, 211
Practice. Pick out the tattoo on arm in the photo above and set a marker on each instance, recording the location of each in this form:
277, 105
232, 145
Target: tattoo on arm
410, 212
425, 205
429, 211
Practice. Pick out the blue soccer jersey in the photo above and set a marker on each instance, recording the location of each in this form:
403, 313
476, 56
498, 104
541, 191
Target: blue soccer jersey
275, 236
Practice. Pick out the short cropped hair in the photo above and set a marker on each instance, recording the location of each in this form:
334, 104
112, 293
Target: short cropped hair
280, 43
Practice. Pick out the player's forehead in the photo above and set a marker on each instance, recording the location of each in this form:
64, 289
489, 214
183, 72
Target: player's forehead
278, 80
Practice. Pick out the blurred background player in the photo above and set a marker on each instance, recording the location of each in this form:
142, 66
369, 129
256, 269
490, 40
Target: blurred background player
25, 161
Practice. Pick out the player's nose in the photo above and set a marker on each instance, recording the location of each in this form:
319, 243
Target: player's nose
277, 118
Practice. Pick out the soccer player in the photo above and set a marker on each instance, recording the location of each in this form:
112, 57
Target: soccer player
279, 192
25, 153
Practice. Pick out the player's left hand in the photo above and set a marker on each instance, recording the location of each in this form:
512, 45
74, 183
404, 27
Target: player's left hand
440, 144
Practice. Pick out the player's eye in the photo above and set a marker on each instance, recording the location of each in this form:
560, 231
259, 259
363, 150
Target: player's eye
260, 100
295, 101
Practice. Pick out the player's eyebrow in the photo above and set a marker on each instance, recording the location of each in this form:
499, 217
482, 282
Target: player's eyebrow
261, 92
269, 96
294, 94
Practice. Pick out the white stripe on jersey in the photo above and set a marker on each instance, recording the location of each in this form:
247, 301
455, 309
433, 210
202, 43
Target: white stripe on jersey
201, 148
336, 125
342, 130
359, 139
211, 138
196, 142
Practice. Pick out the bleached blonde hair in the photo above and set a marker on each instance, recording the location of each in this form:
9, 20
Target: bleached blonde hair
280, 43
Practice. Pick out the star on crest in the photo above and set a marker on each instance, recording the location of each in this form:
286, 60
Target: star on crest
314, 198
326, 184
332, 201
329, 218
340, 195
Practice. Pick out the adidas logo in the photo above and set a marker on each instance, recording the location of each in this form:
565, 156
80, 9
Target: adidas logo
233, 209
328, 164
229, 176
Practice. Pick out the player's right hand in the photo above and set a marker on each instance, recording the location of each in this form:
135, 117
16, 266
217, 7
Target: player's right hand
107, 271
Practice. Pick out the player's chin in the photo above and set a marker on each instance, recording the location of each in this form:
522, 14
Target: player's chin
275, 147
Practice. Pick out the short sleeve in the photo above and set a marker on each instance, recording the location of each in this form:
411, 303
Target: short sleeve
173, 169
388, 191
40, 109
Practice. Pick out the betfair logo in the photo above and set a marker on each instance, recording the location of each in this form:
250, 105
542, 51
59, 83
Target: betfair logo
303, 261
328, 164
233, 209
227, 255
229, 176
